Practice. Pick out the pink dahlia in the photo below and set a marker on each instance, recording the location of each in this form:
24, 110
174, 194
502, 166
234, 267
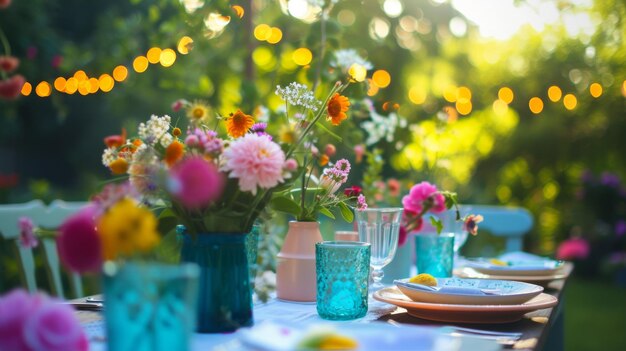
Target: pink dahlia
424, 194
196, 182
78, 243
572, 249
256, 161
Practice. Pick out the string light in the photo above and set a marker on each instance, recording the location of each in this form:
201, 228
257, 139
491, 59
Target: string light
570, 101
140, 64
27, 88
154, 55
536, 105
302, 56
43, 89
506, 95
595, 90
554, 93
381, 78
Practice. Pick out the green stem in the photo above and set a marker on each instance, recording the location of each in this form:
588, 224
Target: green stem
5, 43
322, 50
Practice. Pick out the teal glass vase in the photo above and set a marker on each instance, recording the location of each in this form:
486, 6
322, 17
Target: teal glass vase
149, 306
435, 254
224, 294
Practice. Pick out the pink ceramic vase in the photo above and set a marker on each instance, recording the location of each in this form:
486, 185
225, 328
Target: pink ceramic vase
295, 273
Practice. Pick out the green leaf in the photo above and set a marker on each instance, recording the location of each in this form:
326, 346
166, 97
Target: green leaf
323, 127
285, 204
167, 221
437, 224
346, 212
326, 212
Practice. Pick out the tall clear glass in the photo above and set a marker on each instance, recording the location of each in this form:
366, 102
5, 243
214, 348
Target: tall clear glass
380, 228
452, 225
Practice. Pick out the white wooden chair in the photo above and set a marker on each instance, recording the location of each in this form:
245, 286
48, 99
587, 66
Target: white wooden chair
49, 217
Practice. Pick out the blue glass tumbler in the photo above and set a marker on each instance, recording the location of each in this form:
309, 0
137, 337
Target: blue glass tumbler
435, 254
342, 269
150, 306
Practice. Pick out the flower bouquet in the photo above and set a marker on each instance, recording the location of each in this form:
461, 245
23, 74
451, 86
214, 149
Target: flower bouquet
215, 180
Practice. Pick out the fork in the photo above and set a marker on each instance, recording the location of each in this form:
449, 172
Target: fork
509, 335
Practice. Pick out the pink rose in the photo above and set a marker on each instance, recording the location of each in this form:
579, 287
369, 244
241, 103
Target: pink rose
78, 243
53, 327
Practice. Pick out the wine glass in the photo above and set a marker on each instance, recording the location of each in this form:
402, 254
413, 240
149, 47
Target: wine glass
380, 228
454, 226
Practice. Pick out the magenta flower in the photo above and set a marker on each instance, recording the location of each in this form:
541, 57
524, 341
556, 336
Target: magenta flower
291, 165
402, 236
196, 183
15, 307
256, 161
53, 327
620, 228
424, 196
78, 243
56, 61
360, 203
178, 105
28, 239
572, 249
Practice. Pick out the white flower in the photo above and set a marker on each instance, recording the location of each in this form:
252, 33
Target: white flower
298, 95
382, 127
166, 139
152, 131
347, 57
109, 155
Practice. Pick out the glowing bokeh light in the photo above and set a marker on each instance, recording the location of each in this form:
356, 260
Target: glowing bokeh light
393, 8
302, 56
595, 90
106, 82
59, 84
71, 86
535, 105
381, 78
357, 72
80, 75
94, 85
372, 88
570, 101
275, 35
140, 64
464, 106
83, 87
154, 55
506, 95
417, 95
554, 93
500, 107
168, 57
185, 44
120, 73
449, 93
43, 89
463, 94
262, 32
27, 88
239, 11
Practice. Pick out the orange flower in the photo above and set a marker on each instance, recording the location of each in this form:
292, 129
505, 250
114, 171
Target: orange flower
238, 124
323, 160
174, 152
119, 166
116, 140
337, 108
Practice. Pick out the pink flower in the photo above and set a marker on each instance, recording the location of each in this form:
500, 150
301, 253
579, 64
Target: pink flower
53, 327
27, 233
15, 307
256, 161
9, 63
10, 88
360, 203
178, 105
78, 243
470, 224
291, 165
424, 196
196, 182
402, 236
394, 187
359, 151
572, 249
31, 51
353, 191
4, 4
330, 150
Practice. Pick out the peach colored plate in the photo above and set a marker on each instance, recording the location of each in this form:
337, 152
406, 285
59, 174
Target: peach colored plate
483, 314
542, 280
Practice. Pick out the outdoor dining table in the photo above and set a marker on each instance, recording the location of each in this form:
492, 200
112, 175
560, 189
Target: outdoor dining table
541, 330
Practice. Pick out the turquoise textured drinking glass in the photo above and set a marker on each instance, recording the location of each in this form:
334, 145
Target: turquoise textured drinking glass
435, 254
342, 279
150, 306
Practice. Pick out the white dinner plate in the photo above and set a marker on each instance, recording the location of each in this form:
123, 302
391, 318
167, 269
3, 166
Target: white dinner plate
543, 280
472, 291
515, 267
480, 314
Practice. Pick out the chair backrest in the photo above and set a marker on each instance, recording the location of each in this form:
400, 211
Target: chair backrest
511, 223
49, 217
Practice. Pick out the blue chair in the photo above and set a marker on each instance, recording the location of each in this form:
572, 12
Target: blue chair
510, 223
49, 217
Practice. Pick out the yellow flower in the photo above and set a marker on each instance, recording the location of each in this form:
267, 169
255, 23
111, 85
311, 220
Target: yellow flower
337, 108
198, 111
126, 229
357, 73
238, 123
119, 166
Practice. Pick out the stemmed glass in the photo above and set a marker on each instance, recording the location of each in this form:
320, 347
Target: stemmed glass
380, 228
451, 225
